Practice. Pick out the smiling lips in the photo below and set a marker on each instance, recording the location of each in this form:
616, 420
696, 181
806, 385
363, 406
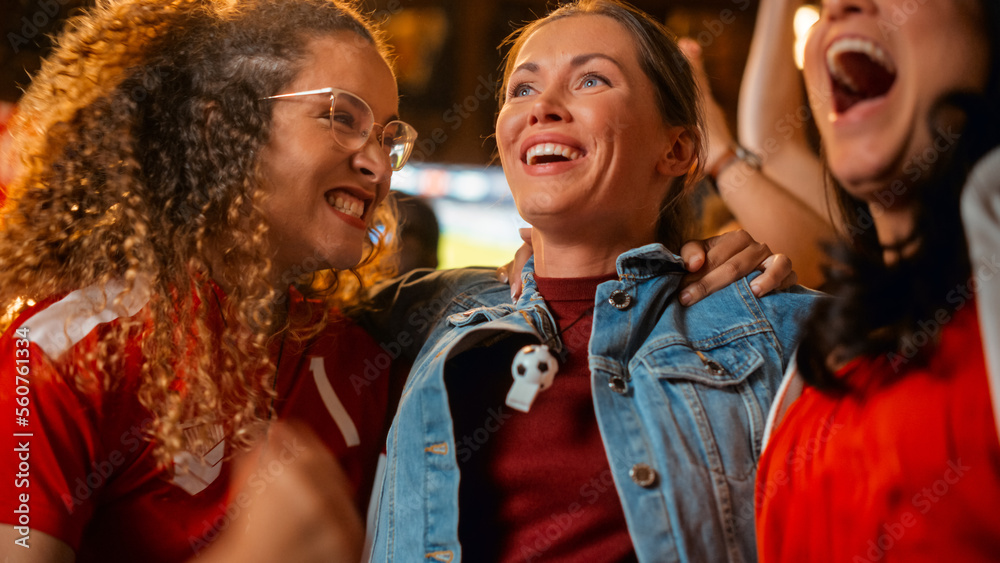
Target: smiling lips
546, 153
346, 203
860, 70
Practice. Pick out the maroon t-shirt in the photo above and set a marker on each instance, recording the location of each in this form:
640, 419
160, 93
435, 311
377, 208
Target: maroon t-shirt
536, 486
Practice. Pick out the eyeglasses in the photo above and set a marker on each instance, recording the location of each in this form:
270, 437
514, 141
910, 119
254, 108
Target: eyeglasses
352, 123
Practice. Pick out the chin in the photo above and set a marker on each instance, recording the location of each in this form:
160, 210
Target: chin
862, 168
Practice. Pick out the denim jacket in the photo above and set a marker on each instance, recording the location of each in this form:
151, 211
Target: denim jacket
680, 393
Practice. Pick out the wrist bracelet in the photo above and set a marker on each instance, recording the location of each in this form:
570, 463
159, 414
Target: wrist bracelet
734, 154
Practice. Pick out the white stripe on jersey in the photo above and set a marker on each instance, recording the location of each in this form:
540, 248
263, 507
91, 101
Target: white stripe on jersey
63, 324
332, 402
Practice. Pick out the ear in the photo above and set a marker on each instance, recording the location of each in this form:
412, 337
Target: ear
678, 156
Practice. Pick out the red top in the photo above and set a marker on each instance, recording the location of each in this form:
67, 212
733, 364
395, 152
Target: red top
90, 476
536, 486
907, 470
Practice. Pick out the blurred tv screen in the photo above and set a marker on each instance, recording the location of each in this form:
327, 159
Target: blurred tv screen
474, 209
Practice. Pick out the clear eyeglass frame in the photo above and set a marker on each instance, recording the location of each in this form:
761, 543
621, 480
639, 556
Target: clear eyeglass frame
352, 123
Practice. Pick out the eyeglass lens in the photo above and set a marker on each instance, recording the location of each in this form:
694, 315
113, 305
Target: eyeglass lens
352, 121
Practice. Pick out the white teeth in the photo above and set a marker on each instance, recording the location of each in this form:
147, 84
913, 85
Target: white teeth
351, 207
855, 45
552, 149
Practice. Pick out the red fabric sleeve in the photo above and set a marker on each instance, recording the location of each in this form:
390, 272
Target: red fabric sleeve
49, 443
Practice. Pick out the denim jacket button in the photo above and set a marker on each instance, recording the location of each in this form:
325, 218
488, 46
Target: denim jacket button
643, 475
620, 300
618, 384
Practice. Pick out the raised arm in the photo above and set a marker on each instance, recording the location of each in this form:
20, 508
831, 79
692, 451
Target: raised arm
773, 113
767, 210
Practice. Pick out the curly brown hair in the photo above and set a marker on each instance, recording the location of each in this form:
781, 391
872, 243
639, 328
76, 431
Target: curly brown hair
140, 139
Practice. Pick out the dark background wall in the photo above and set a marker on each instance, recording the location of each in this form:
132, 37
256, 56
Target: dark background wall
448, 60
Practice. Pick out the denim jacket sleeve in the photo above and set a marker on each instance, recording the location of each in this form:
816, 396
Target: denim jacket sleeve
403, 312
787, 312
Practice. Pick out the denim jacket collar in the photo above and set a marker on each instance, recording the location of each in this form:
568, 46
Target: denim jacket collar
641, 263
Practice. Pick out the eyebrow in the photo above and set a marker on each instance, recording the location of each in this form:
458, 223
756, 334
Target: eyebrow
576, 61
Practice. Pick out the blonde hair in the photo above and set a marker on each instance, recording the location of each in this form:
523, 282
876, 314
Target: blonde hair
140, 139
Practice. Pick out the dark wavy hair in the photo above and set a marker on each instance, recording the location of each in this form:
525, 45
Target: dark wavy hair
140, 140
676, 92
891, 310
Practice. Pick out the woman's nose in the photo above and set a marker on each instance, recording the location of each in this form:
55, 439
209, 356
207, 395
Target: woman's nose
372, 162
549, 107
838, 9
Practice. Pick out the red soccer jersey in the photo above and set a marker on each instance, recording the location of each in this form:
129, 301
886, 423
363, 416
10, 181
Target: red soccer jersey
90, 477
896, 470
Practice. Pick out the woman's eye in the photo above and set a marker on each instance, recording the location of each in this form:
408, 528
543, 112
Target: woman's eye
592, 80
343, 118
520, 90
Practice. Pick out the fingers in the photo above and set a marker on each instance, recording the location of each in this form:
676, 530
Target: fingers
525, 234
511, 271
502, 274
778, 274
520, 259
730, 257
693, 253
692, 51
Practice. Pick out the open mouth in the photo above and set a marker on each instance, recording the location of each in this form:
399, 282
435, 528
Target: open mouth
346, 203
861, 70
547, 153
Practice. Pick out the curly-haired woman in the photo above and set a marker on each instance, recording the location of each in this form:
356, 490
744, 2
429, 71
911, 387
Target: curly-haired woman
188, 160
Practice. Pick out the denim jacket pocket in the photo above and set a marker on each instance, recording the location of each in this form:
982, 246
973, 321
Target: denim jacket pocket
723, 366
716, 395
479, 315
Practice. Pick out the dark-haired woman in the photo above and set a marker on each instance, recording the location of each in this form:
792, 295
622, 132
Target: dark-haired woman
186, 162
630, 431
884, 444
